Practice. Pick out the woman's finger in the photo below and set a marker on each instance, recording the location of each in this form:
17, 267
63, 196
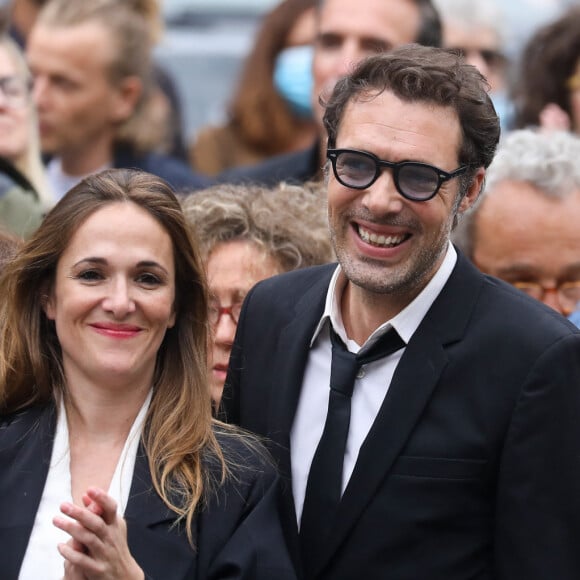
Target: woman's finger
85, 517
75, 544
72, 572
83, 540
91, 505
107, 504
81, 563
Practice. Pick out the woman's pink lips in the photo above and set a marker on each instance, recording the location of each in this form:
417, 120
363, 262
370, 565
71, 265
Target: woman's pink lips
117, 330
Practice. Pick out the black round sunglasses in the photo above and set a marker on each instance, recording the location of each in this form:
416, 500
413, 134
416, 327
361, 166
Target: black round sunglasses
414, 180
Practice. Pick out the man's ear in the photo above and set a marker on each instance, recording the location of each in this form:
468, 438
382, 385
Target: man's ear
473, 192
128, 93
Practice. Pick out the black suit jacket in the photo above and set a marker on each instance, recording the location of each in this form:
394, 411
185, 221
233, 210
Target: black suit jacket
175, 171
237, 535
295, 167
471, 469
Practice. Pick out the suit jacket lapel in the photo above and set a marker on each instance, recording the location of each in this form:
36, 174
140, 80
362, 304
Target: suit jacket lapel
162, 551
25, 462
411, 388
291, 358
144, 505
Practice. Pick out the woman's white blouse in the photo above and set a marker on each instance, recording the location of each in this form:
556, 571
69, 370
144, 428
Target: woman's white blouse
42, 559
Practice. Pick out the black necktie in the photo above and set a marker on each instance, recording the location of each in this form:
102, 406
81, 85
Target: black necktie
324, 486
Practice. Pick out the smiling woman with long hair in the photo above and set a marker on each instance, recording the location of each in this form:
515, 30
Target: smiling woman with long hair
105, 408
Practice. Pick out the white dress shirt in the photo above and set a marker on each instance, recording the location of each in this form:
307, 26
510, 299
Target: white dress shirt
42, 559
371, 384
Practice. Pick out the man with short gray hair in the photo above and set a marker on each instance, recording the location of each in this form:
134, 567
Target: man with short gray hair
526, 226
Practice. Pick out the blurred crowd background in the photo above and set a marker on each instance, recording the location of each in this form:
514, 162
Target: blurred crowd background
226, 91
206, 42
222, 61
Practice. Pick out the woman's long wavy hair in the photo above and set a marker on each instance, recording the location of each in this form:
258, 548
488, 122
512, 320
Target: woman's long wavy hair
548, 60
29, 162
261, 117
178, 432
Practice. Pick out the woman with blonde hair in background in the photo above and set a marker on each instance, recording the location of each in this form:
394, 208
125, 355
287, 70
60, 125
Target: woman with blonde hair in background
24, 191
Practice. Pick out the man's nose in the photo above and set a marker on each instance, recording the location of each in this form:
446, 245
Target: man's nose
225, 330
382, 196
39, 90
350, 54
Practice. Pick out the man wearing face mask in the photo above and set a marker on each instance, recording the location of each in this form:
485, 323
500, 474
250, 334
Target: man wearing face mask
270, 112
347, 31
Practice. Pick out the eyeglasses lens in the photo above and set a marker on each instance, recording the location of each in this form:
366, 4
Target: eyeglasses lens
570, 292
14, 89
216, 311
413, 180
418, 181
355, 170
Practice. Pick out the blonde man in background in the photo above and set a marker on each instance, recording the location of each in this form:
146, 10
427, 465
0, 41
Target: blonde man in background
92, 69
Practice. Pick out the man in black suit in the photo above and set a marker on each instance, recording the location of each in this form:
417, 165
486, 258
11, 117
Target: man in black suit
348, 30
462, 451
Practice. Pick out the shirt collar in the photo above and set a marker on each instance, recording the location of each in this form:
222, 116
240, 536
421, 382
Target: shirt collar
405, 323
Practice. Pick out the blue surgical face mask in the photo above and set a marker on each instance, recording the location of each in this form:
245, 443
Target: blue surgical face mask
293, 78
